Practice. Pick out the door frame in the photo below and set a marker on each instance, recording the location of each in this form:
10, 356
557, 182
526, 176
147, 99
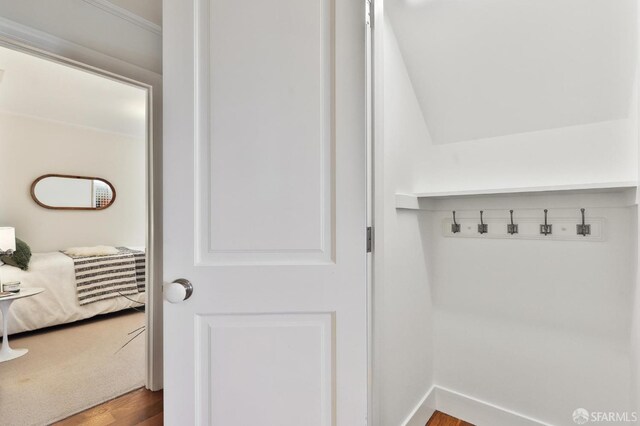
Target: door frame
22, 39
375, 162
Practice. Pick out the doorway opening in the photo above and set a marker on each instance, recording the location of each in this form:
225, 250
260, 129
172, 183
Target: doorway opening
76, 147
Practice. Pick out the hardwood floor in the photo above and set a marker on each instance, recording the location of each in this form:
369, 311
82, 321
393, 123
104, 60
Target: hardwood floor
140, 407
441, 419
143, 407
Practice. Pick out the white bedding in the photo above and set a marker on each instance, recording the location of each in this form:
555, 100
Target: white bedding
58, 304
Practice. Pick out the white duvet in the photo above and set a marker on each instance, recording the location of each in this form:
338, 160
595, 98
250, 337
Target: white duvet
58, 304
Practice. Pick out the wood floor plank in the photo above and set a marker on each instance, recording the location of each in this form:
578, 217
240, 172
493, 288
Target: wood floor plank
138, 407
156, 420
442, 419
143, 407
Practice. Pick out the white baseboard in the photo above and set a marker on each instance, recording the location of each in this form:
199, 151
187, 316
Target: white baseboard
468, 408
423, 411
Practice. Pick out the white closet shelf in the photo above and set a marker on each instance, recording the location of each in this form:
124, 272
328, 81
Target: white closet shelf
413, 200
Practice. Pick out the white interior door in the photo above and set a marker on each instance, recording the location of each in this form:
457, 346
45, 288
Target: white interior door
264, 195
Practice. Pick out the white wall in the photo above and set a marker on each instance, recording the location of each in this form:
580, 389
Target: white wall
538, 327
594, 153
403, 313
33, 147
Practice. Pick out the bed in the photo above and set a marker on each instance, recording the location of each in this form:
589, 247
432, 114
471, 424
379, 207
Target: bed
58, 304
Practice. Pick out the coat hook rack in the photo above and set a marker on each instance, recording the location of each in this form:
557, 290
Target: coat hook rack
545, 229
512, 228
483, 228
455, 227
583, 229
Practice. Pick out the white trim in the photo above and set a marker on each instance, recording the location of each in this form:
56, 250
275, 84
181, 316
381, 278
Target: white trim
375, 303
64, 49
127, 15
467, 408
422, 412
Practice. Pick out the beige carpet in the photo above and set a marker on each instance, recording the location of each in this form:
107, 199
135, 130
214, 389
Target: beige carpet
71, 368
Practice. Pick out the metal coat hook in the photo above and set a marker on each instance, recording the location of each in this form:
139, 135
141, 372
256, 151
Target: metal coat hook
482, 227
512, 228
455, 227
583, 229
545, 229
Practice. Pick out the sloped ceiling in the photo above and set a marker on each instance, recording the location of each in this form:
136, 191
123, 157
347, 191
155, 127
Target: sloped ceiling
487, 68
47, 90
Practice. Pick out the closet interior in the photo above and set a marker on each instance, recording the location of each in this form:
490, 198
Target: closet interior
506, 167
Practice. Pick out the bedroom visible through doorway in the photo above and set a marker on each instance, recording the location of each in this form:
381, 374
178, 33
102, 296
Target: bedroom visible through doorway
74, 237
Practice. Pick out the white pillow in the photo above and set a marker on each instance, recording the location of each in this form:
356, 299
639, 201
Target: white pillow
91, 251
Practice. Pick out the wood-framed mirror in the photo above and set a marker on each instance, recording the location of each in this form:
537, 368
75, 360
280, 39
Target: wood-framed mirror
67, 192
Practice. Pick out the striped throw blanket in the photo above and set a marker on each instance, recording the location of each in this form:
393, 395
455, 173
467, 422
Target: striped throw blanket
106, 277
141, 268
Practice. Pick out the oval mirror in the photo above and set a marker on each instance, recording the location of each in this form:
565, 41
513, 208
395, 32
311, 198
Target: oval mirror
63, 192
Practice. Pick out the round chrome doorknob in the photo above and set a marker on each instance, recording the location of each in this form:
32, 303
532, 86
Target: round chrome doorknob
178, 291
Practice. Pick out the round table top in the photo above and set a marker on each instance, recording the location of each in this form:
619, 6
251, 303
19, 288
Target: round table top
24, 292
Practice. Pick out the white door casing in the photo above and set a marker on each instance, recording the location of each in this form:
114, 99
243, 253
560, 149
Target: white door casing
264, 212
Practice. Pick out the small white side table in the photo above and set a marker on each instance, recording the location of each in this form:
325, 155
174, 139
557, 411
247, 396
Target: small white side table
6, 353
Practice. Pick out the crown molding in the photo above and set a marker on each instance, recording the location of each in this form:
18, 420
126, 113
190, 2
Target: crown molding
123, 13
68, 51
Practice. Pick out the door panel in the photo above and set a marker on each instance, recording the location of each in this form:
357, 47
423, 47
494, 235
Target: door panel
298, 350
267, 185
264, 195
